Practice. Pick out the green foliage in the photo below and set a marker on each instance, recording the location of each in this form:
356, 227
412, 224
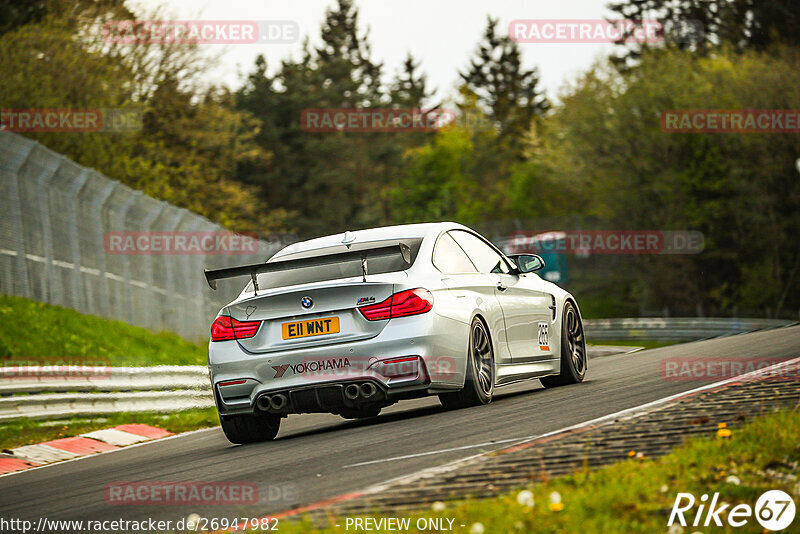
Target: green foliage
740, 190
437, 182
52, 332
704, 26
192, 141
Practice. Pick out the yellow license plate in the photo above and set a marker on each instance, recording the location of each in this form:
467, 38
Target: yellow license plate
310, 327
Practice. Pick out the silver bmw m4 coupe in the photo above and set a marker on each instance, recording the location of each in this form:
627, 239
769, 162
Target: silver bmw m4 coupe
351, 323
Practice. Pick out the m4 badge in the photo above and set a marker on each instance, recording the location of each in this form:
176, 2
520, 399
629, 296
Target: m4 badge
544, 336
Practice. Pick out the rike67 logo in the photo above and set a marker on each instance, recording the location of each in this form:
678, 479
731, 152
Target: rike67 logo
774, 511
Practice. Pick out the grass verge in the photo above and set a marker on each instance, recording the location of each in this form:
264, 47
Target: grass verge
27, 432
50, 333
636, 496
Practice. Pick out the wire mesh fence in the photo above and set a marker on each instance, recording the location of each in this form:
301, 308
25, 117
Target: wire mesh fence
55, 219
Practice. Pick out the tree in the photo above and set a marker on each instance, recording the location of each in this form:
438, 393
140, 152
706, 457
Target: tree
704, 25
410, 87
329, 180
740, 190
60, 62
504, 88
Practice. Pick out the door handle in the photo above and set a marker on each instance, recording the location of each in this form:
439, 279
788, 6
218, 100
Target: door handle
501, 286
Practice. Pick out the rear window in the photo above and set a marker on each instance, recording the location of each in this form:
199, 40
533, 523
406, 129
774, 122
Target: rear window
336, 271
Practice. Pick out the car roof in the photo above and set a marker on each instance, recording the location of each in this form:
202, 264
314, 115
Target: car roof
384, 233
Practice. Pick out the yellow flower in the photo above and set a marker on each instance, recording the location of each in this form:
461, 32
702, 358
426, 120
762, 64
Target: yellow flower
723, 433
555, 502
631, 453
722, 425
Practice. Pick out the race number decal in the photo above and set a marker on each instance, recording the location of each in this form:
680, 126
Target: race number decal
544, 337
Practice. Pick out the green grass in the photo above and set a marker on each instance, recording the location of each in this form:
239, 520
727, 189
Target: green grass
26, 432
636, 496
34, 331
630, 343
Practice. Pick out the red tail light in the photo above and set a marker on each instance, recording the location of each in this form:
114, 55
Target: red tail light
227, 328
403, 304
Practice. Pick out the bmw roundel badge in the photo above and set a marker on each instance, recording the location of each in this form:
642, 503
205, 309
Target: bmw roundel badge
306, 302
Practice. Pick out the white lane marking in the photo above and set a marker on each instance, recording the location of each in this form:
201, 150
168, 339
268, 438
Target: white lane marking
636, 411
79, 458
407, 456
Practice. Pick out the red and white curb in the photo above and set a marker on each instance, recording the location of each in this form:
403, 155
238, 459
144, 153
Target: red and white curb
95, 442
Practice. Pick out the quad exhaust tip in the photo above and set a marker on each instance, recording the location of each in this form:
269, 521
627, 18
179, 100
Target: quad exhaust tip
278, 402
273, 403
351, 391
263, 403
365, 390
368, 389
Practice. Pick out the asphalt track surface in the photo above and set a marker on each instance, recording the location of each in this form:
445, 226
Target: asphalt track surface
312, 458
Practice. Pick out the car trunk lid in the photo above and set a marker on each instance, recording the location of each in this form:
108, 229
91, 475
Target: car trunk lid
312, 315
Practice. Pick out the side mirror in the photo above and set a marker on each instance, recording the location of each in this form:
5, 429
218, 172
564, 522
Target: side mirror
528, 263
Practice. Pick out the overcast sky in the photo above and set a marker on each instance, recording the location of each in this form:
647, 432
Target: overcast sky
443, 34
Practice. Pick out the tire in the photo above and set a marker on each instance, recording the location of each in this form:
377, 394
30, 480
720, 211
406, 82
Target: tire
573, 350
247, 428
480, 374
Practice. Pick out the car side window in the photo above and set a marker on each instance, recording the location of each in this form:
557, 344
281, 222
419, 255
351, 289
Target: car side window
449, 258
485, 258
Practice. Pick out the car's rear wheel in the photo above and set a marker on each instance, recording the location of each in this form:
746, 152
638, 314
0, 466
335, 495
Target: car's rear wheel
479, 383
573, 350
244, 428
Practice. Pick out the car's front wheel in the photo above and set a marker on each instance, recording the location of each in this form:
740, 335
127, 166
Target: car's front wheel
573, 350
245, 428
479, 383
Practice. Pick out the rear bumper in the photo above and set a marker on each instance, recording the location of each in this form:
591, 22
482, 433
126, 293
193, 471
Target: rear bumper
412, 356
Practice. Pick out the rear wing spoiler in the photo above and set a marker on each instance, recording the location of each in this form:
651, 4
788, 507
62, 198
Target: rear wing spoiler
254, 270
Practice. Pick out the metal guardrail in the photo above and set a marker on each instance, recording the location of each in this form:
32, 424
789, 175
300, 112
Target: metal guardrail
674, 328
52, 392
